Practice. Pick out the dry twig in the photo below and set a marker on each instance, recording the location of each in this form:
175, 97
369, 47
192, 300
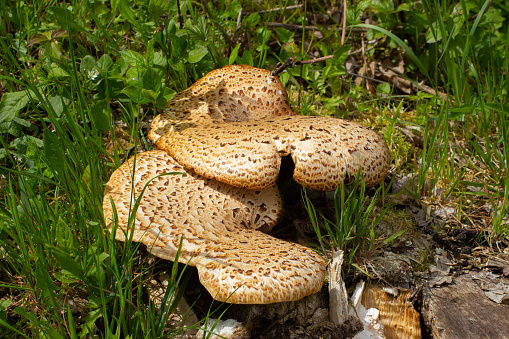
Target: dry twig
287, 8
291, 63
290, 26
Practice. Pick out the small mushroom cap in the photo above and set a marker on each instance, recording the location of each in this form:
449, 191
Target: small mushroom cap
219, 227
232, 93
248, 154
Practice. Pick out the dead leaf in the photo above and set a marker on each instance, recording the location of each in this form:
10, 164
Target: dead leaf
498, 293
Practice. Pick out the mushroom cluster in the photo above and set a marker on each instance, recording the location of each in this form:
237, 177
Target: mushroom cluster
224, 137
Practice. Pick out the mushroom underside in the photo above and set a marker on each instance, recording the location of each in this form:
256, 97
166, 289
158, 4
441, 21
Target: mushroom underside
219, 225
232, 93
248, 153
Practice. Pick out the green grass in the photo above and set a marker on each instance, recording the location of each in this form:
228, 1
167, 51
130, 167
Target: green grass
70, 71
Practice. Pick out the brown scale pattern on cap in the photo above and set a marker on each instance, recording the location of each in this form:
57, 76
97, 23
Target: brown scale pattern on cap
219, 225
232, 93
248, 154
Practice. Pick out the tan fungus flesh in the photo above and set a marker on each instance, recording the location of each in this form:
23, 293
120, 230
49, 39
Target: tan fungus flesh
248, 154
219, 226
232, 93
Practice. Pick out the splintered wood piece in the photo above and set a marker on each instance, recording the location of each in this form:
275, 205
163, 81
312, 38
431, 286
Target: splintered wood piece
339, 306
399, 318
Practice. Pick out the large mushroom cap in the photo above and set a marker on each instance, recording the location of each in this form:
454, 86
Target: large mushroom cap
232, 93
248, 154
218, 224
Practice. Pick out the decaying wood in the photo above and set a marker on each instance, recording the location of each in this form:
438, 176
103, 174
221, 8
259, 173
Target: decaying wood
399, 319
338, 311
462, 310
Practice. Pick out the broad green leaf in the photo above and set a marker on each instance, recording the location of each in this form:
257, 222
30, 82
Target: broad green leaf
284, 78
133, 58
135, 75
196, 54
20, 144
53, 50
156, 8
109, 88
291, 47
252, 20
159, 60
233, 55
67, 263
341, 54
178, 45
177, 66
149, 56
137, 95
87, 64
284, 34
65, 238
30, 316
152, 80
87, 181
59, 33
263, 35
101, 115
11, 103
15, 126
65, 18
105, 62
88, 327
57, 102
403, 8
37, 39
433, 34
53, 151
103, 256
56, 72
4, 304
127, 13
383, 88
165, 95
85, 187
502, 108
247, 58
151, 94
383, 6
44, 282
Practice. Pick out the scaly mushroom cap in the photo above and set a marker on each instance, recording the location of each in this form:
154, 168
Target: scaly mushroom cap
248, 154
232, 93
218, 224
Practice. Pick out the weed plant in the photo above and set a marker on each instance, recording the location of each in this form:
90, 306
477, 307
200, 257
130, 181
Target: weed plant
352, 227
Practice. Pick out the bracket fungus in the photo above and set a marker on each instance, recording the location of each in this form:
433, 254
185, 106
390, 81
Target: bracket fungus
220, 229
227, 133
248, 153
231, 93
